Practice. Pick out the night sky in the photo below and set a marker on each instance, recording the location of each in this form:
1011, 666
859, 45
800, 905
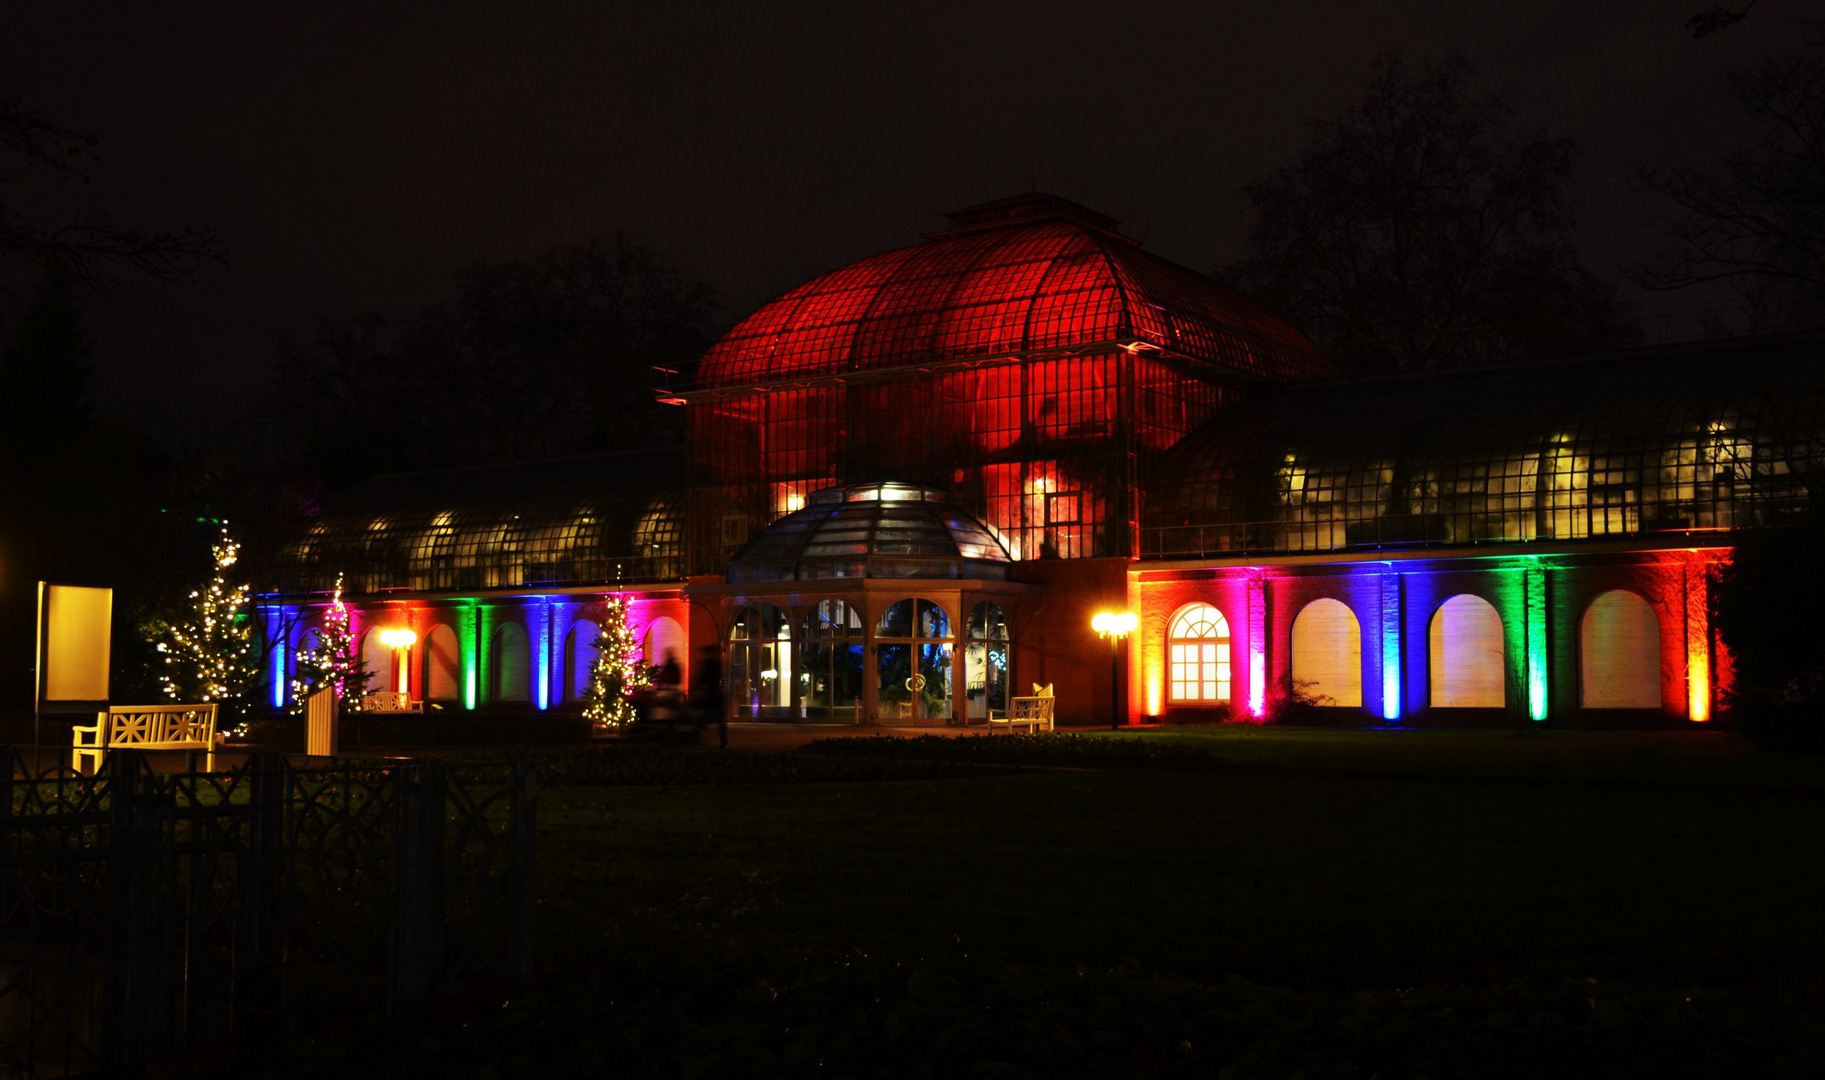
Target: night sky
353, 155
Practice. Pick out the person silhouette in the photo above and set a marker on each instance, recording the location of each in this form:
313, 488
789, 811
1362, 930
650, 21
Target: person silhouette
667, 678
706, 691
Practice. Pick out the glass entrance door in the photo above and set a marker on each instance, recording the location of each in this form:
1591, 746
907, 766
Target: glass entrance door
913, 651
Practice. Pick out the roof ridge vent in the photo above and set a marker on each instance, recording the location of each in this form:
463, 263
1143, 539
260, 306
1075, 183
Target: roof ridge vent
1029, 207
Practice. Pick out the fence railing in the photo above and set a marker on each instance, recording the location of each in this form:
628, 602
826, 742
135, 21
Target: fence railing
144, 916
1384, 531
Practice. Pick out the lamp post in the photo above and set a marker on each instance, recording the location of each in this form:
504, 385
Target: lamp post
1114, 625
400, 641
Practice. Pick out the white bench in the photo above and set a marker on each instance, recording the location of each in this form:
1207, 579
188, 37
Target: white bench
145, 727
1025, 714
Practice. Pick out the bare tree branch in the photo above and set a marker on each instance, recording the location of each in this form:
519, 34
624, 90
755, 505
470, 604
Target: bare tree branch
1753, 217
1419, 230
1716, 19
85, 250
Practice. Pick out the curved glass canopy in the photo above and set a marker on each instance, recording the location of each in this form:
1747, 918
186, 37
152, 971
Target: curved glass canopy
882, 530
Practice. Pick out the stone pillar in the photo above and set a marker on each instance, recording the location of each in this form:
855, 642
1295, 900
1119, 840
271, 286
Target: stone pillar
1256, 657
1539, 696
1698, 640
1389, 637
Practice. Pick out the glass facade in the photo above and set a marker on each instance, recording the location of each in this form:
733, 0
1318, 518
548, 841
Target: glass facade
1668, 441
1027, 371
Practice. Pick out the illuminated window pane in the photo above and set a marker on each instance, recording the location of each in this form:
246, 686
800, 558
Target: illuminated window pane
1198, 651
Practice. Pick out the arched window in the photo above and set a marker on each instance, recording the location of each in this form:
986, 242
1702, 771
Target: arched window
1327, 654
913, 661
1198, 649
662, 637
760, 662
1465, 648
512, 664
830, 662
377, 656
579, 658
985, 661
443, 665
1619, 653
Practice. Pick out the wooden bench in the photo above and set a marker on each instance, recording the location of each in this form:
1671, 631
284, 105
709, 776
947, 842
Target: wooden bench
1025, 714
385, 701
146, 727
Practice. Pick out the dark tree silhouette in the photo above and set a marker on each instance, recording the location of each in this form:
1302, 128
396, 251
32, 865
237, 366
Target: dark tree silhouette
81, 496
544, 356
1762, 605
45, 372
1754, 217
1420, 230
83, 250
1716, 19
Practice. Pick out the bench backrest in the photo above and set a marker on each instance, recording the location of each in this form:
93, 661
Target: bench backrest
1032, 708
386, 701
170, 726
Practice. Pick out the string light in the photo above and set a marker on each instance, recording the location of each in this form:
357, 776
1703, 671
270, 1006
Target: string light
333, 661
618, 669
211, 656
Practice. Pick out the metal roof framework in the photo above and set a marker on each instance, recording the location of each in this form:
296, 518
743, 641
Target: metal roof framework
1698, 439
599, 519
1005, 292
875, 530
1023, 364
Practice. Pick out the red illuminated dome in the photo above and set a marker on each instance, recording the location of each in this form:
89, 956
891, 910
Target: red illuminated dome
1012, 278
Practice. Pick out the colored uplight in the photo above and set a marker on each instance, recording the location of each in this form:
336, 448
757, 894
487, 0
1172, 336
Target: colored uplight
1698, 689
1257, 683
1698, 643
1114, 623
1537, 696
280, 657
278, 678
539, 622
469, 634
1536, 687
1390, 647
1155, 693
1390, 677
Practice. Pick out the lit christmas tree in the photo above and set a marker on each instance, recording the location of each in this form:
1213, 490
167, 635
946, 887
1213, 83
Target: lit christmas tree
211, 656
332, 661
618, 670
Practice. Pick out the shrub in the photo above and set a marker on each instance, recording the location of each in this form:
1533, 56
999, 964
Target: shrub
1764, 603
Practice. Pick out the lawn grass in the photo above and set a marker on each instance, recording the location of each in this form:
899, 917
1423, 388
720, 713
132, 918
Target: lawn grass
1181, 902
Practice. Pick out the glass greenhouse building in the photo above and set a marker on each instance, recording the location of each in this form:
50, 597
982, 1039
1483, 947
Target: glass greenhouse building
908, 485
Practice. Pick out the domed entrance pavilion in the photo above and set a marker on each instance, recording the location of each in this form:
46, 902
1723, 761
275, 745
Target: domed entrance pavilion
877, 602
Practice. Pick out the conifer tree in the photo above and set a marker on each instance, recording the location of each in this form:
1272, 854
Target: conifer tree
210, 656
618, 670
333, 661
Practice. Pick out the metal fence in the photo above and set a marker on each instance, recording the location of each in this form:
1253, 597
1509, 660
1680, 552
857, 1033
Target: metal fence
1238, 538
144, 916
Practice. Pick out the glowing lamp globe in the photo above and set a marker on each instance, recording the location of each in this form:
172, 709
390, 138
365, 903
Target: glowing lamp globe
1114, 623
397, 639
